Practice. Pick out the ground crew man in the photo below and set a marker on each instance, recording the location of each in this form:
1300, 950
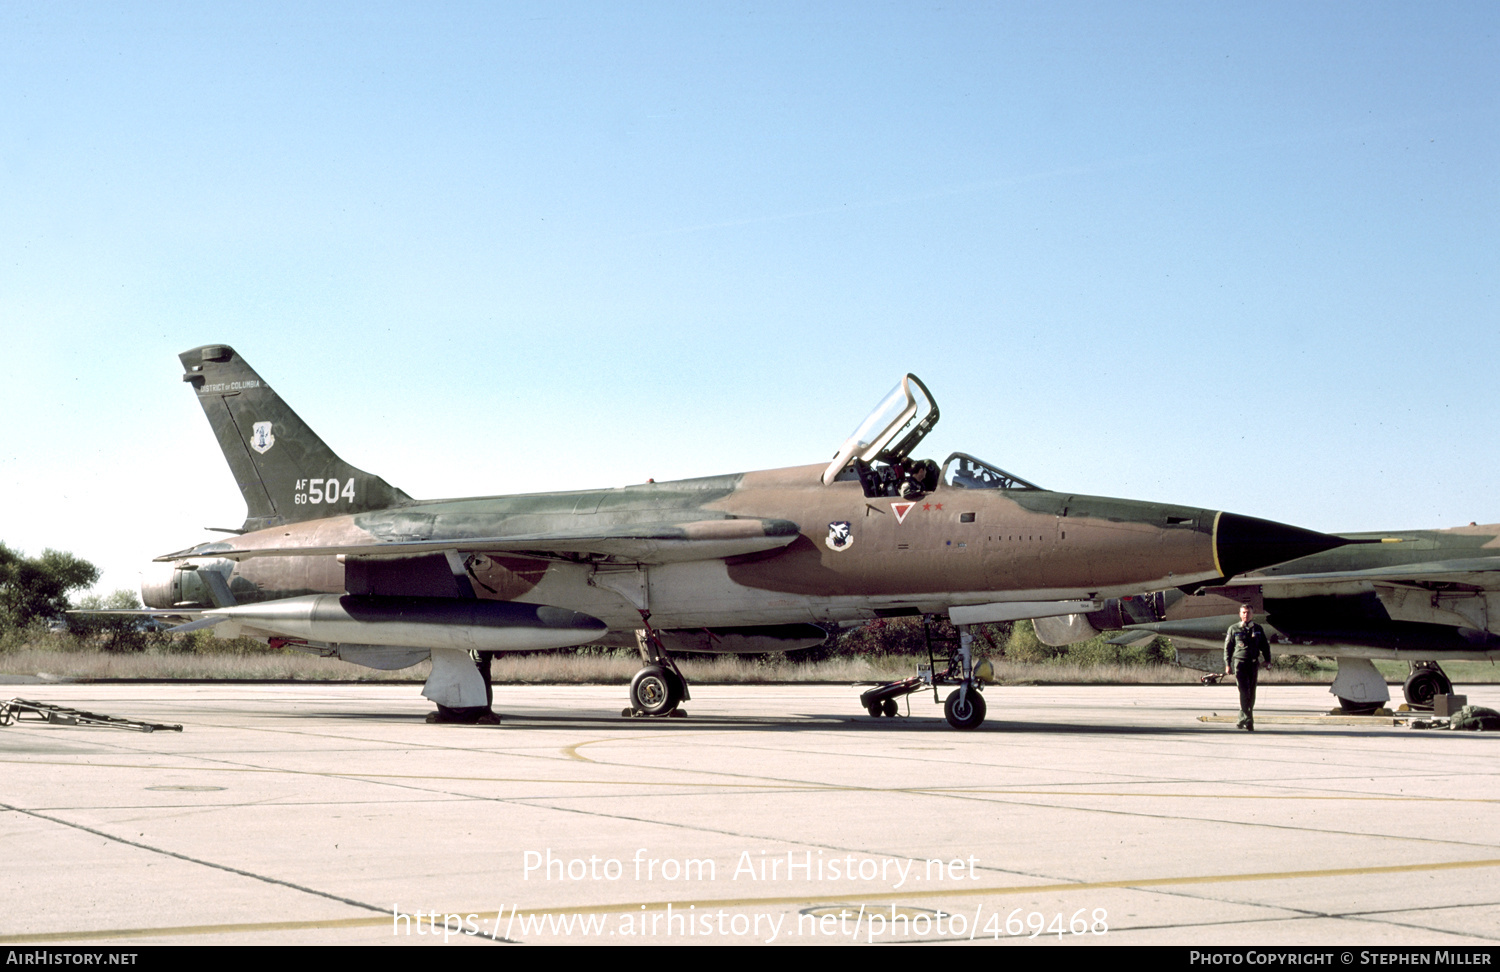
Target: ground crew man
1245, 649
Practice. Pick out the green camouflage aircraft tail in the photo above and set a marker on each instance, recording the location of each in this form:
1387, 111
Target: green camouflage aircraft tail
285, 471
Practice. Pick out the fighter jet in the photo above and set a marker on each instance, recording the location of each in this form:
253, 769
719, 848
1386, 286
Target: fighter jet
334, 560
1418, 596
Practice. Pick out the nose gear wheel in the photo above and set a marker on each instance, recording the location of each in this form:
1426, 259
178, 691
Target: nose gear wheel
964, 710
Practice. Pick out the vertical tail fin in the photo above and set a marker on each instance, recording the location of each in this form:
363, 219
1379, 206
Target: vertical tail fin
284, 470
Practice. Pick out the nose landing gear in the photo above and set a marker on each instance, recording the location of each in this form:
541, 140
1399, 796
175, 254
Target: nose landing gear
964, 708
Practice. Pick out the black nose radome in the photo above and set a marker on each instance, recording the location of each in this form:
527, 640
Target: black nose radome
1244, 543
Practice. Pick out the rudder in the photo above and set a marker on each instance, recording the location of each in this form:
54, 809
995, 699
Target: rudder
284, 470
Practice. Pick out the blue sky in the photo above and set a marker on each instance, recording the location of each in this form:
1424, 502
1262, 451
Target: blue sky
1242, 256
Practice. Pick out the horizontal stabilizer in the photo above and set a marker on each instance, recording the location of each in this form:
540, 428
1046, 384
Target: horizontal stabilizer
197, 625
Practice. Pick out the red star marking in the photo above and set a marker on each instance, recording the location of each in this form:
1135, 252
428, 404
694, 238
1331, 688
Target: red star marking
940, 506
926, 506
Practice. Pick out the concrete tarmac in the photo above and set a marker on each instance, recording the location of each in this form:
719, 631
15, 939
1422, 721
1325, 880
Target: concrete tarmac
333, 814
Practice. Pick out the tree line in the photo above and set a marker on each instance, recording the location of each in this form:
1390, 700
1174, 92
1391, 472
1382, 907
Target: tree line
34, 590
35, 598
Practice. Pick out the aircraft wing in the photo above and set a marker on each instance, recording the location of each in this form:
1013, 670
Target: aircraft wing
656, 543
1482, 573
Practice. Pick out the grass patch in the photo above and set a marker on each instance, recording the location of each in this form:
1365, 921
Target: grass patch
556, 668
1018, 659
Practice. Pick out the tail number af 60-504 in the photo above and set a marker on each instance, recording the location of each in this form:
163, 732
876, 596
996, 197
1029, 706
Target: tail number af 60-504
322, 491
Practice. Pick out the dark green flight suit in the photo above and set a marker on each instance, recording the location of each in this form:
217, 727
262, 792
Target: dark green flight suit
1244, 647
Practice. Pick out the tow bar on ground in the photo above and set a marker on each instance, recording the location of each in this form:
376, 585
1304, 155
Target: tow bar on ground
61, 715
965, 707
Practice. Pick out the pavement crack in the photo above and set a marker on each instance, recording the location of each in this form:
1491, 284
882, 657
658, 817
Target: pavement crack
195, 860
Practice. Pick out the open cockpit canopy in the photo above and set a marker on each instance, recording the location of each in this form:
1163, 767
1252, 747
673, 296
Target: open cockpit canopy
892, 431
909, 409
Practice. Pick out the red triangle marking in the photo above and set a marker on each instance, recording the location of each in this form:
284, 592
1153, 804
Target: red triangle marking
901, 509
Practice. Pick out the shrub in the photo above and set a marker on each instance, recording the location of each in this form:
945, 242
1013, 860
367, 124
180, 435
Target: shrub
1024, 646
115, 632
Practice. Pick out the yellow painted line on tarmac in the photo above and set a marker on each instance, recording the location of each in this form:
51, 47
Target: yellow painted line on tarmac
172, 931
1202, 796
1320, 720
572, 751
767, 785
636, 906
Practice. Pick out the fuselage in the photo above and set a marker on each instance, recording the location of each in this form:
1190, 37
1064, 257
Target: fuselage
853, 557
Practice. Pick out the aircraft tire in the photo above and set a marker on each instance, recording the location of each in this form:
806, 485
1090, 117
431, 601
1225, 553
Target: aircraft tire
1423, 685
653, 691
970, 715
875, 709
679, 686
890, 707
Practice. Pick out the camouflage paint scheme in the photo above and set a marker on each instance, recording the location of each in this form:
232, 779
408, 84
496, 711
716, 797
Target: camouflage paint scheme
1418, 596
738, 550
335, 560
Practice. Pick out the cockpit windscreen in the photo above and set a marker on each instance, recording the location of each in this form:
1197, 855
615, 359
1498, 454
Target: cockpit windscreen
966, 472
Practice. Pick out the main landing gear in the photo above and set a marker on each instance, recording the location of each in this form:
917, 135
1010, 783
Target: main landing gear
964, 707
659, 687
1361, 689
1426, 681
